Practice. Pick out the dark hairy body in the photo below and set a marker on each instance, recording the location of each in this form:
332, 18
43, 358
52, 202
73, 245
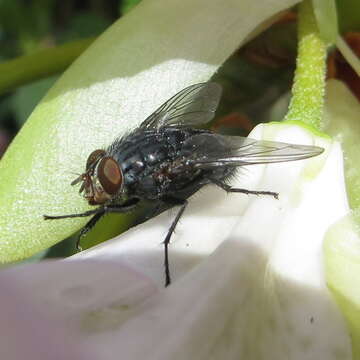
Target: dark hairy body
167, 159
157, 169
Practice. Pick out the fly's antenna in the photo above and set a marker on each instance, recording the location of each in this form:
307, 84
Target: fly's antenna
73, 173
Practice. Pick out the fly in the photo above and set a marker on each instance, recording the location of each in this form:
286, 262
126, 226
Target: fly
166, 160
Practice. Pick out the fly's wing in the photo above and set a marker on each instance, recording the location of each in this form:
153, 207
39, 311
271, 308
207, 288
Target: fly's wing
193, 105
209, 150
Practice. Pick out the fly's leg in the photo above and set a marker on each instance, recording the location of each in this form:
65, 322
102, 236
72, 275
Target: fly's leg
106, 209
87, 228
84, 214
172, 201
120, 208
127, 206
99, 212
229, 189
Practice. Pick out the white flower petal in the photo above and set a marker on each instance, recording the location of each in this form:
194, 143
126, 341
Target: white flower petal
262, 293
50, 309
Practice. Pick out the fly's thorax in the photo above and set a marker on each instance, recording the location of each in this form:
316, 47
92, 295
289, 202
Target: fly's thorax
152, 161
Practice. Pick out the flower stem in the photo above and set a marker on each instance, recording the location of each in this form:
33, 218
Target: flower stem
43, 63
309, 84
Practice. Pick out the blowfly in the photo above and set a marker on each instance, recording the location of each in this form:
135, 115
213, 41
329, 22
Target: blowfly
167, 159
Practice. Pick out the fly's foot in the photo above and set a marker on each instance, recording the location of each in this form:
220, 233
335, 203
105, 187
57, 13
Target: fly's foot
78, 246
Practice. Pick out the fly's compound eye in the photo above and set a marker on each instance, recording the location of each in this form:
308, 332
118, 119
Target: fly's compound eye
109, 175
94, 157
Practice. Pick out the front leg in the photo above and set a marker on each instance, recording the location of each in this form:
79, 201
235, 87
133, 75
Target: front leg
122, 208
98, 214
84, 214
114, 208
89, 225
119, 208
126, 207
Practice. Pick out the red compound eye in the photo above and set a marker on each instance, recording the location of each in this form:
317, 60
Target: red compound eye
110, 175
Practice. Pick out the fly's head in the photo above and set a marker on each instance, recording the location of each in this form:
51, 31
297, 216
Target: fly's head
102, 179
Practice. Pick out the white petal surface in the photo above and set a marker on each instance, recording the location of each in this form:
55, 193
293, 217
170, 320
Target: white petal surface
49, 310
262, 293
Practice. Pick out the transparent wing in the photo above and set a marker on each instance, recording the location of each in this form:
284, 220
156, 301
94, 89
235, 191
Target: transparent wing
193, 105
209, 150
